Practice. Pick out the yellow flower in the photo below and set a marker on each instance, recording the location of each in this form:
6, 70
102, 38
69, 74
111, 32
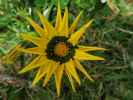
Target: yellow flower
57, 50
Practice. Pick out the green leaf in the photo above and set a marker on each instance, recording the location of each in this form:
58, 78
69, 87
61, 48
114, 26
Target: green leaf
39, 3
86, 3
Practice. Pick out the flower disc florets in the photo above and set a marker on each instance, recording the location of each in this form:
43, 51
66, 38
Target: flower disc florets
59, 49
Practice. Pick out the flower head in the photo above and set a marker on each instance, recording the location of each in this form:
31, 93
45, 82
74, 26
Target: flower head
57, 50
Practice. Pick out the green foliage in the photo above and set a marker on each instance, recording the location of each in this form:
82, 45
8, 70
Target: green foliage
86, 3
123, 7
113, 77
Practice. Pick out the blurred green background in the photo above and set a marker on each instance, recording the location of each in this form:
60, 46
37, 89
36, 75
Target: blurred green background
112, 29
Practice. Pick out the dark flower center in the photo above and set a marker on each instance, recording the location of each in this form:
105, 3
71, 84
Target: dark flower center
59, 49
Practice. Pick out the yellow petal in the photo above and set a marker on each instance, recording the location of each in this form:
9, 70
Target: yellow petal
90, 48
53, 66
70, 67
37, 62
37, 41
58, 18
47, 26
34, 50
58, 77
41, 72
64, 25
71, 80
13, 51
75, 23
81, 68
37, 28
11, 56
74, 38
80, 55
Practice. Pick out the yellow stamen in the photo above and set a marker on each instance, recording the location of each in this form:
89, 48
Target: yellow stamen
61, 49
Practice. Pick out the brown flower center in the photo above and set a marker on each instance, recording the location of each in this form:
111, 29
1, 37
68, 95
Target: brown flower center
61, 49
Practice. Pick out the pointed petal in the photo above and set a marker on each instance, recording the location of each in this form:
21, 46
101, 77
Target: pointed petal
71, 80
65, 21
75, 23
70, 67
34, 50
37, 28
80, 55
11, 56
64, 26
58, 77
14, 50
90, 48
37, 41
13, 53
41, 72
52, 67
74, 38
47, 26
58, 18
81, 68
37, 62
